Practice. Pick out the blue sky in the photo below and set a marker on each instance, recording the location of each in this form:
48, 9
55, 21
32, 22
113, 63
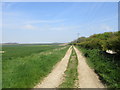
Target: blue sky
41, 22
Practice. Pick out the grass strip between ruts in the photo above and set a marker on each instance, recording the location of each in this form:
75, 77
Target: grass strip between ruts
71, 74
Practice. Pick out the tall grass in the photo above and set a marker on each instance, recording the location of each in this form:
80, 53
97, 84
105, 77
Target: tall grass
108, 71
26, 72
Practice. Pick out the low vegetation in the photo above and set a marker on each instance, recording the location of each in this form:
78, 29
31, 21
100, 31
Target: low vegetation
105, 41
106, 65
71, 75
27, 71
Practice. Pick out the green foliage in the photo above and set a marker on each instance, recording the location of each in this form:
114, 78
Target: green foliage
114, 44
105, 67
95, 43
27, 71
103, 36
81, 39
105, 41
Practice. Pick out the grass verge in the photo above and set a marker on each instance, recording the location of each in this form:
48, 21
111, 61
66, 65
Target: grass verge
27, 71
71, 74
108, 71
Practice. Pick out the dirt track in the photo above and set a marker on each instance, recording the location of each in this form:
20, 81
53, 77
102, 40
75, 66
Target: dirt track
55, 78
87, 77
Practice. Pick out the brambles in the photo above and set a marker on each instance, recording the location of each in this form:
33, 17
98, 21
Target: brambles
105, 41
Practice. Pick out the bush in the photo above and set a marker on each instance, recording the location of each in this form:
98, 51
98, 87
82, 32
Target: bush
105, 41
114, 44
91, 44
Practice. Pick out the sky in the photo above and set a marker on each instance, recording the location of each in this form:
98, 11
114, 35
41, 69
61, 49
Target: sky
49, 22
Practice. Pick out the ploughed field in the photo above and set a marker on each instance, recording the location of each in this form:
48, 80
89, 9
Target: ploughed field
24, 66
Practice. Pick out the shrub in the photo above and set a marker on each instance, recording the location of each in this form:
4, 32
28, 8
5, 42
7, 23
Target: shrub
91, 44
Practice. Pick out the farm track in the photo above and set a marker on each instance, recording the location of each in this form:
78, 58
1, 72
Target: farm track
55, 78
87, 77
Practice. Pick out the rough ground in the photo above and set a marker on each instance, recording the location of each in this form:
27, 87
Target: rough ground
54, 79
87, 77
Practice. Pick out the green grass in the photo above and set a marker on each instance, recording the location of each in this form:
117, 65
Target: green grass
0, 71
71, 75
15, 51
27, 71
108, 71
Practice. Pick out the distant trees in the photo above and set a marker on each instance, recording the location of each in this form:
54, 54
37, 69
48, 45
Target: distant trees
81, 39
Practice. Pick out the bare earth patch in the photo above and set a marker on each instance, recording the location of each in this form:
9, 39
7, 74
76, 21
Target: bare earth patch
2, 51
87, 77
55, 78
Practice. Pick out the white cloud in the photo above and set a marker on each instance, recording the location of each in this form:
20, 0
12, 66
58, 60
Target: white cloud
29, 27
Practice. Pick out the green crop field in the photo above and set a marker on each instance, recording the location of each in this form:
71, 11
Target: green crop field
26, 65
15, 51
